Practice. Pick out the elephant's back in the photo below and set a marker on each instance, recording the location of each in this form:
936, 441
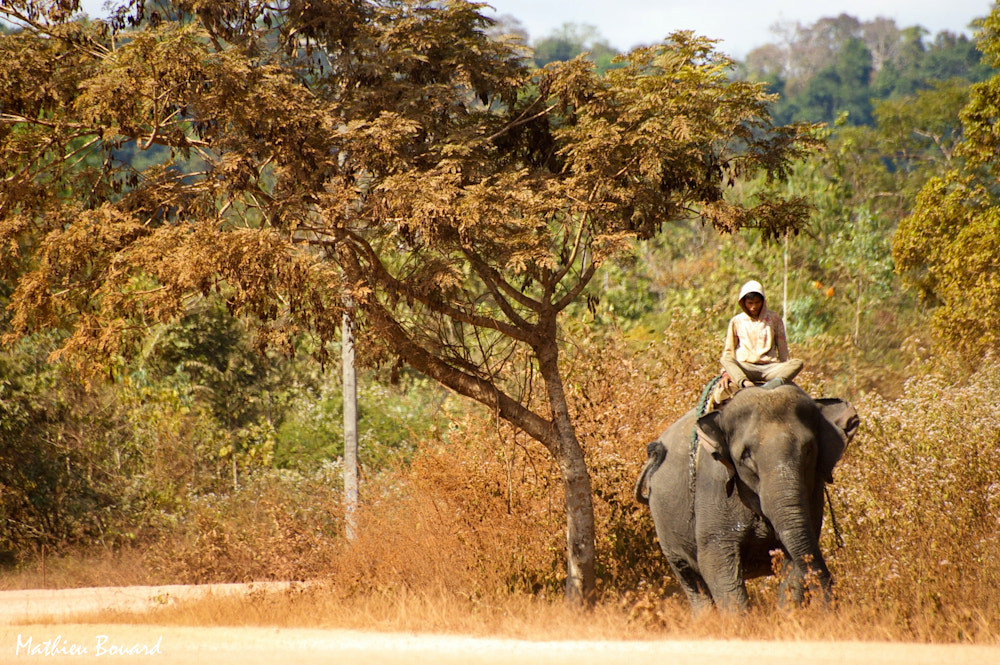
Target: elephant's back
678, 437
668, 485
670, 493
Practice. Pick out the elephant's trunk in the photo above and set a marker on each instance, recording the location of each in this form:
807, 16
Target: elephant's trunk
792, 523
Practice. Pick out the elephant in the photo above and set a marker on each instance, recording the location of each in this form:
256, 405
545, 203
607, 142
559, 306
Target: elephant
729, 487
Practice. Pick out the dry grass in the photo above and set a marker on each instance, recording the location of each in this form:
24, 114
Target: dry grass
522, 616
468, 538
126, 567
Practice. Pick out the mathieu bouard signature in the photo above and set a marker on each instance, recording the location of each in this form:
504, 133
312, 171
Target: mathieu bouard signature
101, 646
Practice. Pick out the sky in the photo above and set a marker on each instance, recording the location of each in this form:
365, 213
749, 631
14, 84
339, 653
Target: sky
741, 25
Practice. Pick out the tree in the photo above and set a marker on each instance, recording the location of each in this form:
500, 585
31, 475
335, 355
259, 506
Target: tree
571, 40
389, 154
883, 40
842, 87
840, 64
920, 131
949, 247
811, 49
916, 66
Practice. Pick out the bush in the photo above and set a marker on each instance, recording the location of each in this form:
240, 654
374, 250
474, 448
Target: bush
919, 504
278, 525
87, 467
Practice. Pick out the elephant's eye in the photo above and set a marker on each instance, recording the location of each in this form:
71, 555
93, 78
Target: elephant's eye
747, 459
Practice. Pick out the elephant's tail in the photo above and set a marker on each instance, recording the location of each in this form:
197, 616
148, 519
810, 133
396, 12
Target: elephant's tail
657, 452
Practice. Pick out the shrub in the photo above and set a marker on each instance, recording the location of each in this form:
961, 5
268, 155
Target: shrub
278, 525
919, 504
91, 467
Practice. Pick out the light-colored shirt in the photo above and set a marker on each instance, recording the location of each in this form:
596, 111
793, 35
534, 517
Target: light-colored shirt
761, 340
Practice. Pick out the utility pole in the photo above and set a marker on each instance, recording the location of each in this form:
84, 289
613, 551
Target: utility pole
784, 283
350, 387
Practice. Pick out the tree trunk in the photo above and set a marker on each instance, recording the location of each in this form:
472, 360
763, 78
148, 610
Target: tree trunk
784, 281
557, 435
580, 533
350, 388
580, 557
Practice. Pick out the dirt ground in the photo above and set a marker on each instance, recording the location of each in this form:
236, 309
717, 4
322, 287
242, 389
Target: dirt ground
34, 628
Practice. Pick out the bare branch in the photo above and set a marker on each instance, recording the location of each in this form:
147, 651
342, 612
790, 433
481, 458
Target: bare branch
571, 261
474, 387
492, 279
520, 121
384, 277
572, 294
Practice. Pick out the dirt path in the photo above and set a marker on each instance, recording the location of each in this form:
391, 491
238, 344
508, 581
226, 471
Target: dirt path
32, 629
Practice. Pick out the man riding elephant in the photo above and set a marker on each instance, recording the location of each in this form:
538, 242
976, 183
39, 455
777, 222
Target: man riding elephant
756, 348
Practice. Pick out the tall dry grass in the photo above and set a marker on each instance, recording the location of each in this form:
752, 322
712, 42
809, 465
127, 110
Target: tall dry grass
919, 501
469, 536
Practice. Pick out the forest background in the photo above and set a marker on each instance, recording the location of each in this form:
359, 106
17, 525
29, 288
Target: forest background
195, 458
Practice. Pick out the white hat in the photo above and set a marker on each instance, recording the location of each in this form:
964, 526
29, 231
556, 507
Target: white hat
752, 286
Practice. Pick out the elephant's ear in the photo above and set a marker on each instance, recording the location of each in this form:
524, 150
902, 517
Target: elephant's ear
712, 438
840, 426
710, 434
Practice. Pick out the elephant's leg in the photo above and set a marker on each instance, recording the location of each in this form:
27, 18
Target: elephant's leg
694, 586
800, 577
720, 566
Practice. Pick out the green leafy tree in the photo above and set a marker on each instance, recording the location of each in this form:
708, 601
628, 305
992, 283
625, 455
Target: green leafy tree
949, 248
99, 467
386, 157
572, 40
917, 65
842, 64
842, 87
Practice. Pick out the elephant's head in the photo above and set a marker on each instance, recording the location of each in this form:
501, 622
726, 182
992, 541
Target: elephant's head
769, 438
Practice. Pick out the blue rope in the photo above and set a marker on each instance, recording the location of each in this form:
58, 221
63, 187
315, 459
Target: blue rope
702, 405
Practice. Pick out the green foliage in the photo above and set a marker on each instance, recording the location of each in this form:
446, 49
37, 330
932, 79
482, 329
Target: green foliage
99, 467
159, 454
845, 312
919, 64
209, 353
571, 40
949, 247
918, 133
841, 88
841, 65
391, 419
845, 309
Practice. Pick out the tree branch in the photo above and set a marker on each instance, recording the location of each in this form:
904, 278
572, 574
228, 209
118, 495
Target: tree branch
571, 295
494, 282
474, 387
522, 120
576, 248
383, 276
